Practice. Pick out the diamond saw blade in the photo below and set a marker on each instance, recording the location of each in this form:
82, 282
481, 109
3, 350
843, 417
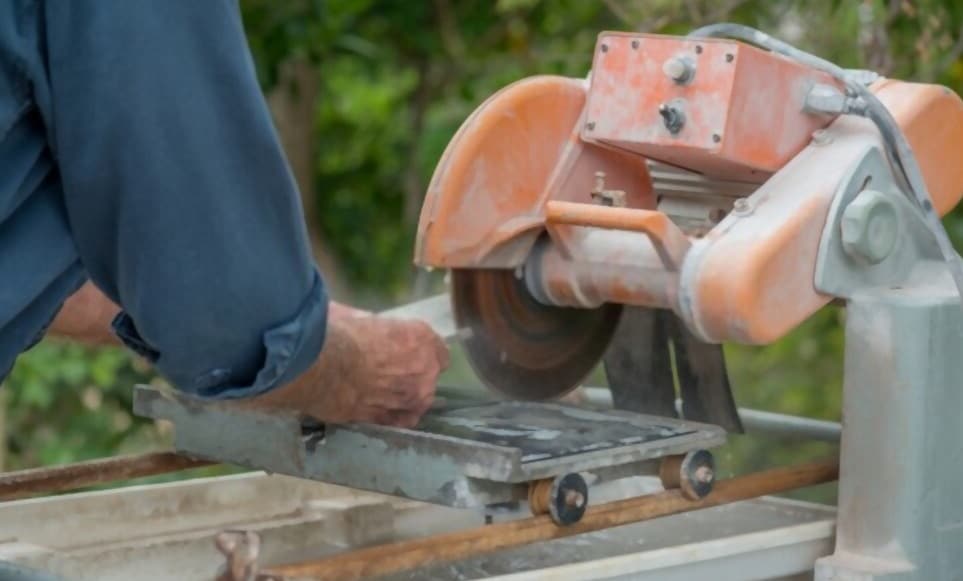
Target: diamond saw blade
521, 348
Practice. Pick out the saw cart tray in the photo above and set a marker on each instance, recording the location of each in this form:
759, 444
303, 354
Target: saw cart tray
460, 455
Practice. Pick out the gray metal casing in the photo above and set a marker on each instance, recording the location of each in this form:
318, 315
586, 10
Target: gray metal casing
462, 456
901, 470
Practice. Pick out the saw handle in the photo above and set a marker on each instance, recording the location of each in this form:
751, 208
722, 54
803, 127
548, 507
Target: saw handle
669, 241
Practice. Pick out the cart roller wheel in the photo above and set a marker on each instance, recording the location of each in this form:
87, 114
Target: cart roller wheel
564, 498
694, 473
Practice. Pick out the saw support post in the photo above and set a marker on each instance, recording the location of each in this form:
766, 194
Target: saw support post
899, 513
900, 516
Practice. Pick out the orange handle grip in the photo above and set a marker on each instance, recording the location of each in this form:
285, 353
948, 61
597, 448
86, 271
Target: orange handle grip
670, 242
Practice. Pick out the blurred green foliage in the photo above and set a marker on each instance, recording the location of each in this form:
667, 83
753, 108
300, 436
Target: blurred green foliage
394, 81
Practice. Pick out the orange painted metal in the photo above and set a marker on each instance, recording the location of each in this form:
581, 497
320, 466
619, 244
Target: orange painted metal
753, 277
519, 168
931, 117
743, 106
485, 203
670, 242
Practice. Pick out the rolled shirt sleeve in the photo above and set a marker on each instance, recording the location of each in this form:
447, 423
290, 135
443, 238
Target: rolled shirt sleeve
181, 203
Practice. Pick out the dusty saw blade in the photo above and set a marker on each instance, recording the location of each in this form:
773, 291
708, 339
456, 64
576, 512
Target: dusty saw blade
521, 348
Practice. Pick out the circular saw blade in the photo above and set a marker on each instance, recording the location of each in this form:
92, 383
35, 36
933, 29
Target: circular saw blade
521, 348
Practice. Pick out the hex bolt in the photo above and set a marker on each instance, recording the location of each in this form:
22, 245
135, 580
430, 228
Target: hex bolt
679, 69
870, 227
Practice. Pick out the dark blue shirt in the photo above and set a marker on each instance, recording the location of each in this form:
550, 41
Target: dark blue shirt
136, 149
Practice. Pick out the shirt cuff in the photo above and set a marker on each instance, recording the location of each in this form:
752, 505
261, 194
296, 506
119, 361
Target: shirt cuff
289, 350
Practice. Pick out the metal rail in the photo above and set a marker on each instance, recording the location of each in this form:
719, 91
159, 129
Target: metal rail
776, 424
36, 481
413, 554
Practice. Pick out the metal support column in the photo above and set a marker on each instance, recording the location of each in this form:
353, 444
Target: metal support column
900, 514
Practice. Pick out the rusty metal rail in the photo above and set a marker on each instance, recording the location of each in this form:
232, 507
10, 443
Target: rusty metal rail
413, 554
37, 481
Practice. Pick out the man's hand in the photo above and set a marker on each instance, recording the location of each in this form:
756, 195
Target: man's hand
371, 369
376, 370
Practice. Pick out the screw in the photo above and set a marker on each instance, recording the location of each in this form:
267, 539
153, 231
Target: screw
574, 498
704, 475
698, 49
605, 48
716, 138
730, 57
590, 125
606, 197
599, 181
635, 44
742, 207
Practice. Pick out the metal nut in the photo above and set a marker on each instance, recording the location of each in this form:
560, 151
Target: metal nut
679, 69
870, 227
825, 99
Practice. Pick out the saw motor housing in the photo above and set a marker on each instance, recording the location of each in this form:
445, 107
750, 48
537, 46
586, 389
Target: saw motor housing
689, 174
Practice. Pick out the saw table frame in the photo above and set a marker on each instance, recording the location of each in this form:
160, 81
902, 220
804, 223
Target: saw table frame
462, 456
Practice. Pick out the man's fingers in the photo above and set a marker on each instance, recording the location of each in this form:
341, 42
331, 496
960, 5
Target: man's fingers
399, 418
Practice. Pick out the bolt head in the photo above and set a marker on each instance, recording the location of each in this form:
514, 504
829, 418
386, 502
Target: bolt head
680, 70
870, 227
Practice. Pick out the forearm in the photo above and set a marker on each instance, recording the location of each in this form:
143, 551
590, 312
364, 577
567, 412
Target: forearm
338, 311
316, 392
86, 317
371, 369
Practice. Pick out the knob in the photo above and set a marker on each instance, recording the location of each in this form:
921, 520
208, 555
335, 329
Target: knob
672, 117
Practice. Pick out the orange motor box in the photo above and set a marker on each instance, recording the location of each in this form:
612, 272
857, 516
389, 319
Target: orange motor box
717, 107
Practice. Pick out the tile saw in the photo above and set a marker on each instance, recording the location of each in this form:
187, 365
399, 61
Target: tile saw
718, 187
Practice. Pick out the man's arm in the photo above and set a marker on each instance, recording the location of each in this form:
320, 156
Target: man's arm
185, 214
86, 317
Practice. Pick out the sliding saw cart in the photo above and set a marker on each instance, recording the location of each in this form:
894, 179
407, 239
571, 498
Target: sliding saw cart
719, 187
